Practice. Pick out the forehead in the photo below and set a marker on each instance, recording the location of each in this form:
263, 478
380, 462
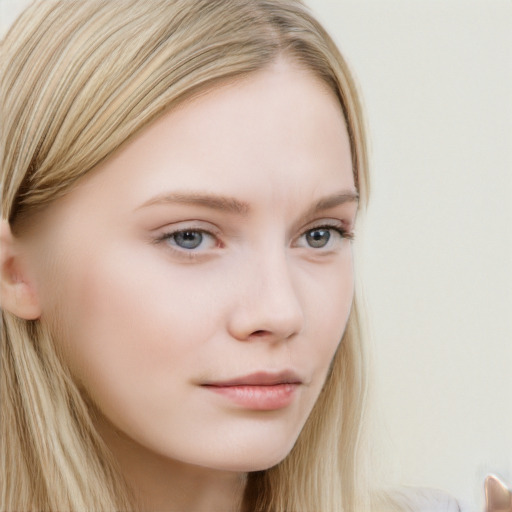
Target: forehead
282, 120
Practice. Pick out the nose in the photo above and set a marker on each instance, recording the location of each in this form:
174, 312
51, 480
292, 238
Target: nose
268, 305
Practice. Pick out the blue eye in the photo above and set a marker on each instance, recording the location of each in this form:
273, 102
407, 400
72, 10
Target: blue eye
318, 237
326, 237
187, 239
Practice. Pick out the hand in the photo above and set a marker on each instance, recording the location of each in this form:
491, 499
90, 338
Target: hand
498, 497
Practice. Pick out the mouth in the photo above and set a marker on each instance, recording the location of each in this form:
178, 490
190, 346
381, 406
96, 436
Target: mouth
260, 391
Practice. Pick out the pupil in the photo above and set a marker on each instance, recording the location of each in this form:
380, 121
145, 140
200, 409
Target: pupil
318, 237
188, 239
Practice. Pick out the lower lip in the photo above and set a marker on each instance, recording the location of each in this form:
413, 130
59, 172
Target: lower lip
258, 398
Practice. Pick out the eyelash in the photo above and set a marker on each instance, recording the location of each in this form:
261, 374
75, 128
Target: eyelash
192, 254
344, 233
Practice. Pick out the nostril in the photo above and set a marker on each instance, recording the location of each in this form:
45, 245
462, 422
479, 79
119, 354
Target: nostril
260, 333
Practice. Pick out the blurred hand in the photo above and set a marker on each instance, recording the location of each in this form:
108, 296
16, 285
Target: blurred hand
498, 497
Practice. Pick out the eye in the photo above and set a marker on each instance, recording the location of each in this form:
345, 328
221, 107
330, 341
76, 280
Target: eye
328, 237
189, 240
318, 237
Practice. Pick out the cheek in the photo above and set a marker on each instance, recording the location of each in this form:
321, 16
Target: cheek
327, 295
130, 332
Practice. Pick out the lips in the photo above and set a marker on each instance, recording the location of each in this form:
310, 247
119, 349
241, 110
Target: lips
260, 391
260, 379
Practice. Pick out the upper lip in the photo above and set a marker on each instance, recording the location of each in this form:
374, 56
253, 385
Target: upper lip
260, 379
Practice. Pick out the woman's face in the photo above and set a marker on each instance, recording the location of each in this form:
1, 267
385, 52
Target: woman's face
200, 280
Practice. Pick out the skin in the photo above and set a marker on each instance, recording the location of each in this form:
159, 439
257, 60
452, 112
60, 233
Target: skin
144, 324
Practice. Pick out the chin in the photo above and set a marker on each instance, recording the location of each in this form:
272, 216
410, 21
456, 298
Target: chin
247, 447
254, 459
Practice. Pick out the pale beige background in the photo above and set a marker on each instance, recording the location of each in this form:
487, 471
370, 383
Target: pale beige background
436, 77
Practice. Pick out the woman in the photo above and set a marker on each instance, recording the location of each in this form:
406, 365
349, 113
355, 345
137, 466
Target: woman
180, 183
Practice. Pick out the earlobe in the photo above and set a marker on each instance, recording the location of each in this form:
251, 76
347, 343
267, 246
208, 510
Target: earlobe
16, 293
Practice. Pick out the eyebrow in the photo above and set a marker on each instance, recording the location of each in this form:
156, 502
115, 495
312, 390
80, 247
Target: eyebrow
212, 201
232, 205
326, 203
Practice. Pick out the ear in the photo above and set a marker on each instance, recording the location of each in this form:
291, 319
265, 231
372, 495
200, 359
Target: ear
16, 293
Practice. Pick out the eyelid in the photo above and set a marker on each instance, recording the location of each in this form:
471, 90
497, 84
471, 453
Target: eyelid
169, 234
343, 227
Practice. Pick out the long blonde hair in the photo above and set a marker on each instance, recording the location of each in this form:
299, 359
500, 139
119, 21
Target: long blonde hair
78, 79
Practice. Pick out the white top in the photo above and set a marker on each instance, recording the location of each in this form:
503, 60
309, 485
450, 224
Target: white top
426, 500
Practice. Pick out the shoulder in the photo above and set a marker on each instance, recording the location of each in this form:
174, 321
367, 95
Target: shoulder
425, 500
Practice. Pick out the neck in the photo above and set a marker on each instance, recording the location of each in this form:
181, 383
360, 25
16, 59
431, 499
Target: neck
164, 484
